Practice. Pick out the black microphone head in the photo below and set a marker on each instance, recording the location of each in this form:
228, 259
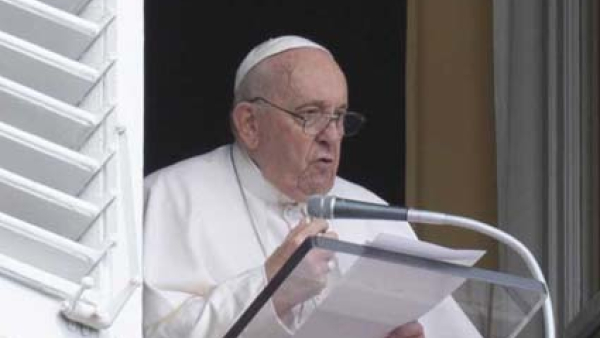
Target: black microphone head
320, 206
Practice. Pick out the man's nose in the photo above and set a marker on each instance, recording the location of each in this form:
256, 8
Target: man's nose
331, 132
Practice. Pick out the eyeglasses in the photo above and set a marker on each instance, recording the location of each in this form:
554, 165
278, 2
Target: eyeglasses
314, 120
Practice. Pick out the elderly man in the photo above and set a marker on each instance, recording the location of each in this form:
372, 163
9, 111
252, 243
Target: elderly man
220, 225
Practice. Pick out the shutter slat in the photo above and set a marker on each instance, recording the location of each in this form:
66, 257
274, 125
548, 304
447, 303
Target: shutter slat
44, 116
71, 6
45, 162
47, 27
45, 71
45, 250
42, 280
48, 208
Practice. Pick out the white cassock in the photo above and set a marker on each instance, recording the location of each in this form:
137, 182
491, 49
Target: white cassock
205, 244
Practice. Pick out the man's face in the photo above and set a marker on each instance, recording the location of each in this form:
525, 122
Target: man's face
297, 163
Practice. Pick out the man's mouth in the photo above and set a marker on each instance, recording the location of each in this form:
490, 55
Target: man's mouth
325, 160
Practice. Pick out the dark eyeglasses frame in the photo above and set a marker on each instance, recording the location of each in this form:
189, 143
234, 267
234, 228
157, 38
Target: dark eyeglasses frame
303, 120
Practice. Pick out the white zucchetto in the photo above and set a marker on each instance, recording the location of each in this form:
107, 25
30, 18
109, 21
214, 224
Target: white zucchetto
271, 47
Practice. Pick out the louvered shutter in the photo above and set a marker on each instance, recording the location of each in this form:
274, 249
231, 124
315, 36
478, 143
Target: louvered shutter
71, 88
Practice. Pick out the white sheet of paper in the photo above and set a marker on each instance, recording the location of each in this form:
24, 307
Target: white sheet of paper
373, 297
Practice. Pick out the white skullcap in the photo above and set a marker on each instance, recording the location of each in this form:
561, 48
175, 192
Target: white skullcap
271, 47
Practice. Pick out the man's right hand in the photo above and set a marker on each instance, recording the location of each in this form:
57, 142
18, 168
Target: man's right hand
408, 330
309, 277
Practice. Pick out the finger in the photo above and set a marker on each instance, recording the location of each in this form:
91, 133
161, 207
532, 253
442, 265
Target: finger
319, 258
299, 234
327, 254
300, 227
393, 335
408, 330
322, 256
305, 229
321, 262
330, 234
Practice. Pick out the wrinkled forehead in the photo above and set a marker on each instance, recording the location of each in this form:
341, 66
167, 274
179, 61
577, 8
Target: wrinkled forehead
308, 75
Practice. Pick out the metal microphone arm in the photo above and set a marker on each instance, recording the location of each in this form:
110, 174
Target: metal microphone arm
329, 207
428, 217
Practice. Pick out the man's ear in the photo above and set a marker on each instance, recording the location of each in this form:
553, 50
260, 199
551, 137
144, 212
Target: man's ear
246, 124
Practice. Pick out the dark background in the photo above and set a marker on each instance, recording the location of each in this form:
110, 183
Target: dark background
193, 49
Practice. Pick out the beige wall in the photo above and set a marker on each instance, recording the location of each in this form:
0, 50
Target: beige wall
450, 132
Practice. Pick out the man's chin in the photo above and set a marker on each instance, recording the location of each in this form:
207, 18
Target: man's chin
316, 186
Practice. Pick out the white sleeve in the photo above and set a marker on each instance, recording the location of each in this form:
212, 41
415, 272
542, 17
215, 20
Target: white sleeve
181, 296
212, 316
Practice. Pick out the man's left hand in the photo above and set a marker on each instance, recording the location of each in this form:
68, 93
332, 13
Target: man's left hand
408, 330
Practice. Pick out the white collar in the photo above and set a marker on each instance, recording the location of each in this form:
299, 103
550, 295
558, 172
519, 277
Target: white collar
253, 180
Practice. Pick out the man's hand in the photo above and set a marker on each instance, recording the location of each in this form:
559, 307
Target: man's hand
408, 330
309, 277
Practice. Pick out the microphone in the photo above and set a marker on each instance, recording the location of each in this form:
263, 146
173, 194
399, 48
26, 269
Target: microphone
330, 207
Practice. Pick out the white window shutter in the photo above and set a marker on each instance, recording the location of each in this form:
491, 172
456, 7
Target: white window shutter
71, 130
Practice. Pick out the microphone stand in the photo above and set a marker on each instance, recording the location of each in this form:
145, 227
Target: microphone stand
428, 217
